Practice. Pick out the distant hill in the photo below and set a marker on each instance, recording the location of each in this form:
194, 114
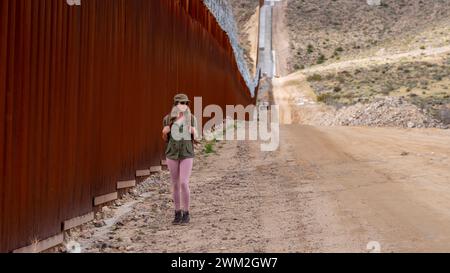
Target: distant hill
243, 10
334, 29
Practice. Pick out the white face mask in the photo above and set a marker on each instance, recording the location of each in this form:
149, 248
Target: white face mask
182, 108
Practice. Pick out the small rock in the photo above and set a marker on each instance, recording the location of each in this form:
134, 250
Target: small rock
98, 215
99, 224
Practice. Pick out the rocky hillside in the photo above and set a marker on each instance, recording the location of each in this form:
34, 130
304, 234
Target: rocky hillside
422, 83
243, 10
331, 30
382, 112
399, 49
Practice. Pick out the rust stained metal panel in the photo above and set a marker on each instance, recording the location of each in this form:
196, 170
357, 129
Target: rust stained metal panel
3, 53
83, 91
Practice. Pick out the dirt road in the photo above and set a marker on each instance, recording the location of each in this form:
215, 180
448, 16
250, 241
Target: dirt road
354, 186
325, 190
280, 38
375, 184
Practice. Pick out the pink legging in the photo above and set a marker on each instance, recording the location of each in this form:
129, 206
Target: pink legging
180, 171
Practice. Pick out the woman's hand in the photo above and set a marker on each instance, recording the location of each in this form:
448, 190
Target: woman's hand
193, 131
165, 131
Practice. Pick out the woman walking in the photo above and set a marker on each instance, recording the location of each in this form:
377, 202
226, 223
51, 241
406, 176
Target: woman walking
179, 133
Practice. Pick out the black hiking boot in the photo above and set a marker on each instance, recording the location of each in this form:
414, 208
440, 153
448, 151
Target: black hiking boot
178, 217
186, 218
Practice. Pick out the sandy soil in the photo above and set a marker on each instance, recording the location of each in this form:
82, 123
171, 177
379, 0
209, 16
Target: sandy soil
242, 201
281, 38
375, 184
331, 189
297, 101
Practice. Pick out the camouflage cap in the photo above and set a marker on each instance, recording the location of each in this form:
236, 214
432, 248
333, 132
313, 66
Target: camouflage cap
181, 98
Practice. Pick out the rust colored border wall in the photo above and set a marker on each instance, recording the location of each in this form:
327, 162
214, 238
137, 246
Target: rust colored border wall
83, 90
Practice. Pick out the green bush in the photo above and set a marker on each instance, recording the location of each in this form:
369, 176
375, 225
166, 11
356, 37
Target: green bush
325, 97
209, 148
314, 78
321, 59
299, 67
337, 89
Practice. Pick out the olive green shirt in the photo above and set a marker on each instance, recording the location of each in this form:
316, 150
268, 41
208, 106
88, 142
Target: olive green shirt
179, 149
